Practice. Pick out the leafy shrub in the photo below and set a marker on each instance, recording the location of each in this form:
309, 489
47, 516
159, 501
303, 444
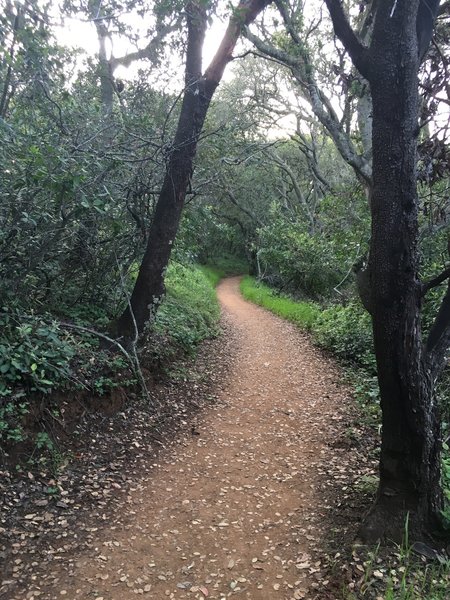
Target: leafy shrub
313, 263
304, 261
347, 332
34, 357
213, 274
11, 415
34, 354
446, 483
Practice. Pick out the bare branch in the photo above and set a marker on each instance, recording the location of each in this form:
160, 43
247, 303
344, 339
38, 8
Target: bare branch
143, 53
102, 336
303, 71
432, 283
357, 51
297, 189
234, 201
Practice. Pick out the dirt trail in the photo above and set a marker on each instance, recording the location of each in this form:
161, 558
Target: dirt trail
238, 510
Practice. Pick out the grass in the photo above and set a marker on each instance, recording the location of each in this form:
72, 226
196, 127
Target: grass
302, 314
190, 311
402, 575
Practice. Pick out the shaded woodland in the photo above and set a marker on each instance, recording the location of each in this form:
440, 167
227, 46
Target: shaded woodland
310, 151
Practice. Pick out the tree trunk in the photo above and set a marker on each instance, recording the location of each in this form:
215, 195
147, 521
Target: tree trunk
410, 447
409, 463
149, 286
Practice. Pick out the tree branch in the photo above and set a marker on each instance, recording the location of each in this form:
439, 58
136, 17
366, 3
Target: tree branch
244, 14
303, 72
234, 201
432, 283
143, 53
444, 9
297, 189
357, 51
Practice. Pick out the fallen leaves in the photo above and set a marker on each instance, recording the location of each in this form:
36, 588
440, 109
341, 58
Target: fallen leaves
245, 506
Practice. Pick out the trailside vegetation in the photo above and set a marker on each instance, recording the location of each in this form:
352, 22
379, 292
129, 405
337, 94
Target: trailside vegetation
320, 166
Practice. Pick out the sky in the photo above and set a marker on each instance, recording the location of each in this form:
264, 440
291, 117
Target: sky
78, 33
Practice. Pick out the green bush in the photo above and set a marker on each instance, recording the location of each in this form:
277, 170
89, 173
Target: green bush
189, 312
312, 263
347, 332
34, 354
212, 274
12, 412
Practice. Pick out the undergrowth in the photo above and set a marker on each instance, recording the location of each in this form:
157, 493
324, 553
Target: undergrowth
41, 356
190, 310
402, 575
212, 274
223, 267
406, 572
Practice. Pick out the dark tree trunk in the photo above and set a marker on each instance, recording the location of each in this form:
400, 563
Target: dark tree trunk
149, 286
410, 459
410, 448
409, 464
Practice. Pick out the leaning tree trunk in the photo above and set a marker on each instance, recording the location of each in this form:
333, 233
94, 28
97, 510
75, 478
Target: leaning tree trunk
410, 447
199, 90
149, 287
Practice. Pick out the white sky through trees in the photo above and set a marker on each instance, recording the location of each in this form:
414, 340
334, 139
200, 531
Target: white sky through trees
80, 33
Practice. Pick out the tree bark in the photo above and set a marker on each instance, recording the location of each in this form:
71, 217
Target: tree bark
199, 89
410, 447
409, 463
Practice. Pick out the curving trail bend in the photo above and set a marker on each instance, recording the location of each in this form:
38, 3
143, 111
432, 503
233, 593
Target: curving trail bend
241, 509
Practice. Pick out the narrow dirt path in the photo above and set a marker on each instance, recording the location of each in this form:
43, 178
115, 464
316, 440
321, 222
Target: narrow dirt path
237, 509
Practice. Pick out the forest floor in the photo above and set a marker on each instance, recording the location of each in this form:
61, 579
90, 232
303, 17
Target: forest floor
255, 498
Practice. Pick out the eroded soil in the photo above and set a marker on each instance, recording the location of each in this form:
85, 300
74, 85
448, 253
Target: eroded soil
243, 504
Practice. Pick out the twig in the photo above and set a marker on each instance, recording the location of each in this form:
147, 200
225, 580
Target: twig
100, 335
432, 283
335, 289
136, 362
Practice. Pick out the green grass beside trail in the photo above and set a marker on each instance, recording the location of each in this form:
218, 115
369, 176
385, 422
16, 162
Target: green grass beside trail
190, 310
303, 314
212, 274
